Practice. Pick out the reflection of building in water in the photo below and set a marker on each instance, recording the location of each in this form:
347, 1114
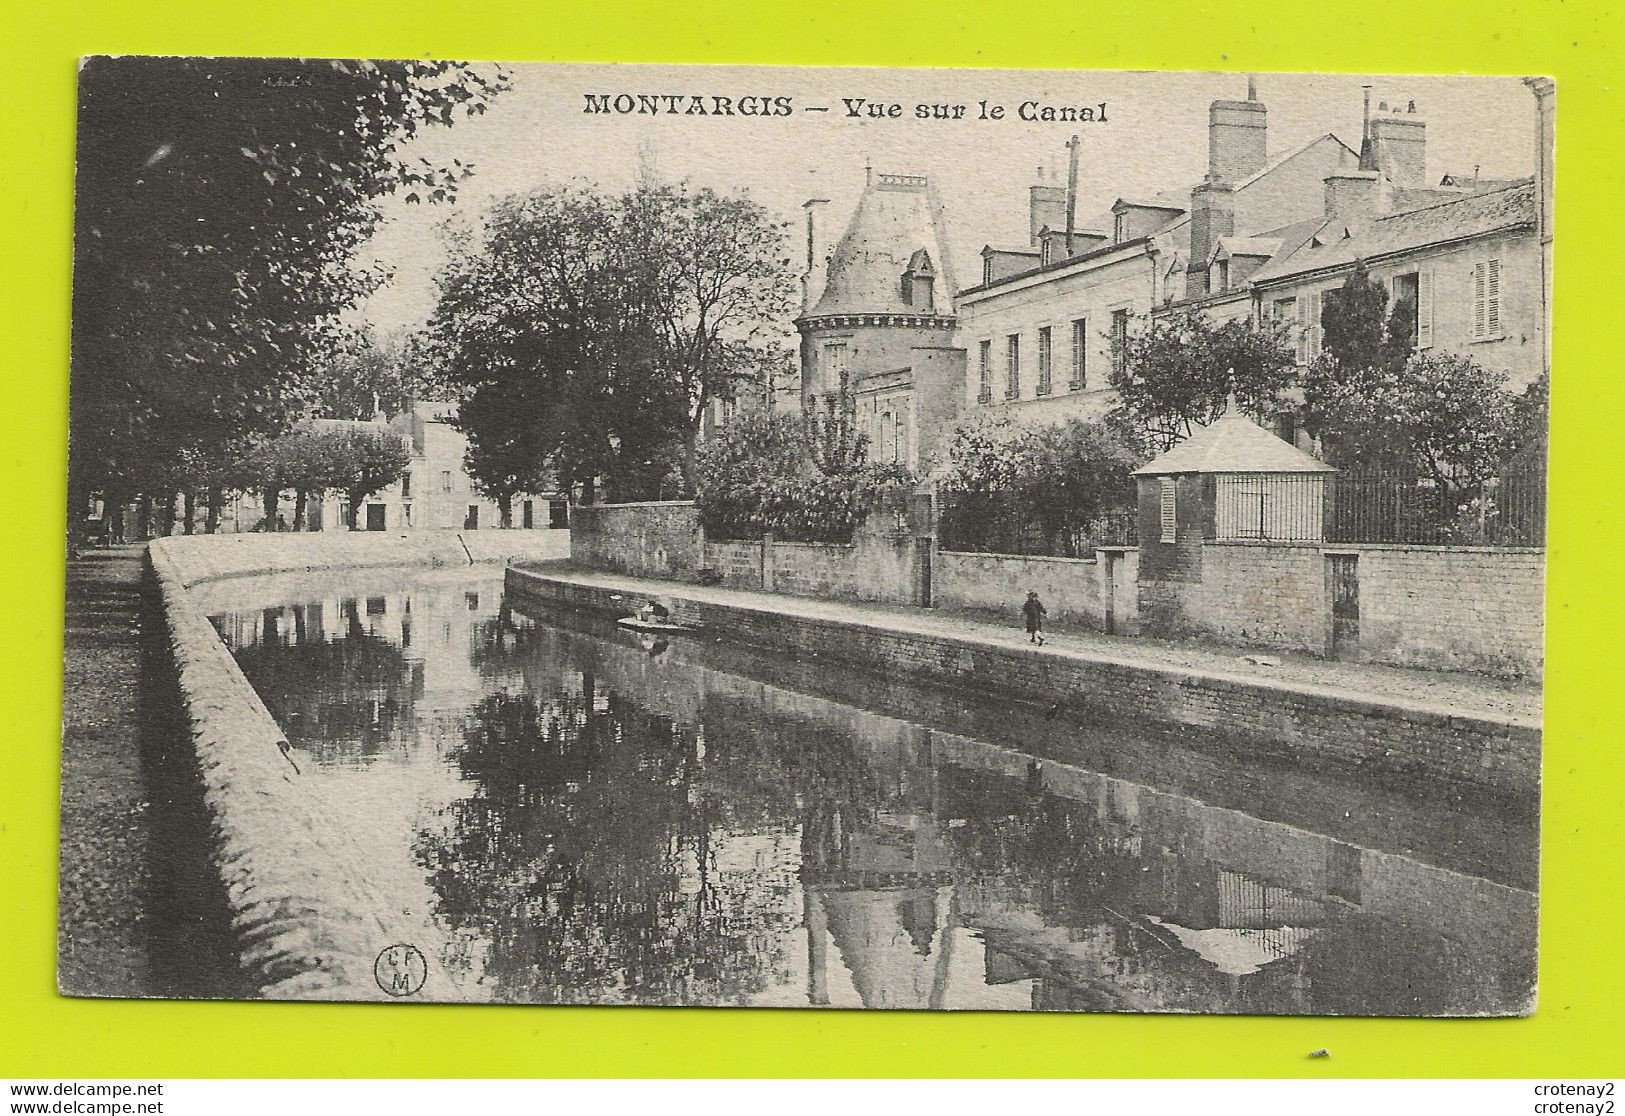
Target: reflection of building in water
621, 827
397, 668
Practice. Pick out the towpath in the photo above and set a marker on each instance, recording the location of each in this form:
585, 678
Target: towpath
1447, 692
134, 916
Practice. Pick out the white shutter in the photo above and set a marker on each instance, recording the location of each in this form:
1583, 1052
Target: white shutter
1492, 298
1424, 310
1169, 520
1303, 328
1479, 309
1311, 336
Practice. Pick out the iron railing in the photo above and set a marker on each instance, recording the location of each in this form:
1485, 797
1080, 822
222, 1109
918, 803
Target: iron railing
1402, 507
1382, 506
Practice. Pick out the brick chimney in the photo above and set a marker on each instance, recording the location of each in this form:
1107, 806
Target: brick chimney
1355, 193
1237, 137
1213, 215
1046, 205
1399, 144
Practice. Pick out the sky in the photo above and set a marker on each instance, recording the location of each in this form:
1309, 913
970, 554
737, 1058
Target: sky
1154, 138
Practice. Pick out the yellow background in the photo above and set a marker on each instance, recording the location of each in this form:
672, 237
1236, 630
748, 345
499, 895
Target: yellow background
1577, 1030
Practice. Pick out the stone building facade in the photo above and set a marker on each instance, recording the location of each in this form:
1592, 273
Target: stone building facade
1264, 236
878, 323
1042, 325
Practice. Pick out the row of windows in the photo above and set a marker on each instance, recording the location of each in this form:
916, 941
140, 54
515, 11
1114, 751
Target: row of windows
1414, 292
1077, 380
406, 483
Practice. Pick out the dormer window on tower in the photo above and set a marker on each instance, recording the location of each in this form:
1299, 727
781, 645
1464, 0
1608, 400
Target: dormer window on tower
919, 283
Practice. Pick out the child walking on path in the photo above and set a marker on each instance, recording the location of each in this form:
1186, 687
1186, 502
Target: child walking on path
1033, 610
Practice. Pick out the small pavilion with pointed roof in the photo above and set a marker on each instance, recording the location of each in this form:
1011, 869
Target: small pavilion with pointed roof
1232, 481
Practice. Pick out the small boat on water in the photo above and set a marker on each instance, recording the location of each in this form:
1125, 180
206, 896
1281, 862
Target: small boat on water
664, 627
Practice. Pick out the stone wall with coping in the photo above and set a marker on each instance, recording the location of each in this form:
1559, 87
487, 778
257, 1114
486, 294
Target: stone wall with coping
1437, 607
309, 922
205, 557
655, 539
1074, 591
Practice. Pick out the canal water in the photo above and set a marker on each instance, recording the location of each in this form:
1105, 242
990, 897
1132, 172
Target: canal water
590, 816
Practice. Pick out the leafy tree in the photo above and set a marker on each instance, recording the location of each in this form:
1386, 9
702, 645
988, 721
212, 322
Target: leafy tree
372, 375
1176, 374
1441, 414
1041, 489
609, 322
780, 473
219, 206
1375, 403
361, 462
710, 277
504, 457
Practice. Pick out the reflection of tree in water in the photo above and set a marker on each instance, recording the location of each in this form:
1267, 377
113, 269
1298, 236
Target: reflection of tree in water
586, 858
338, 698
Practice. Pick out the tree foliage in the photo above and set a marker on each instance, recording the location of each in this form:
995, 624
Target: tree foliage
370, 375
790, 476
314, 461
1175, 374
608, 322
1376, 403
220, 205
1035, 489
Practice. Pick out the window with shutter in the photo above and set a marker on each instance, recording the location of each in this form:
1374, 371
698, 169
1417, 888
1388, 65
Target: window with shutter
1046, 354
1492, 298
1080, 354
1012, 366
1308, 307
1311, 302
1424, 310
984, 386
1480, 309
1169, 520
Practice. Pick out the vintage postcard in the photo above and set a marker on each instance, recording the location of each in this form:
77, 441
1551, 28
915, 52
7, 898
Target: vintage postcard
771, 537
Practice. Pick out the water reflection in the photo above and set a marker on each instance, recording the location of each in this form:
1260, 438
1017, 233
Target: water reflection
595, 819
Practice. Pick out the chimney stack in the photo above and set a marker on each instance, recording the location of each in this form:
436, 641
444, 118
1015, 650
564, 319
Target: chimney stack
1046, 205
1237, 137
1213, 216
1399, 144
1356, 193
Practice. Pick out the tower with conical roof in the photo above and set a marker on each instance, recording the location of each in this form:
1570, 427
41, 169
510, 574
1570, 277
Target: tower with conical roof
878, 319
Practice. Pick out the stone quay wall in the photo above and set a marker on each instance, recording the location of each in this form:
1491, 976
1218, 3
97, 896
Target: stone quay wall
1314, 726
308, 921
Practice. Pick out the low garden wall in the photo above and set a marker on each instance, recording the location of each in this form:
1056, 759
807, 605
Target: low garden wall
1097, 593
657, 539
1437, 607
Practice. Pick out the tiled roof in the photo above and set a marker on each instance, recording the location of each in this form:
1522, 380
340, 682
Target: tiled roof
1233, 443
1473, 215
896, 217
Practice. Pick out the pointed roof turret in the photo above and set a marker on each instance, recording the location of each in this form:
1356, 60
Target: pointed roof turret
897, 219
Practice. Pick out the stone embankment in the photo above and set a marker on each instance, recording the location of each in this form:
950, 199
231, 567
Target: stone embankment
309, 922
1463, 739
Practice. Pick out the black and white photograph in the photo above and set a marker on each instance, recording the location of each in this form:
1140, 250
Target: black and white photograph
748, 536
